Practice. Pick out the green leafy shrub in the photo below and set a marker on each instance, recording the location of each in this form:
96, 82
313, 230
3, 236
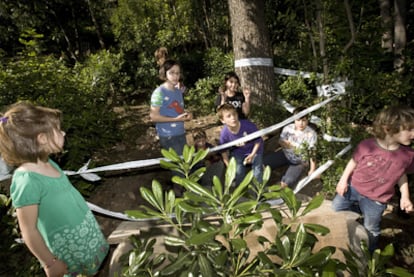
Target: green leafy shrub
203, 95
218, 246
81, 93
212, 226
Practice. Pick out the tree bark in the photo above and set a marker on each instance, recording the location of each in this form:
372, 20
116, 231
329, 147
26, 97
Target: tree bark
96, 25
386, 24
400, 33
252, 50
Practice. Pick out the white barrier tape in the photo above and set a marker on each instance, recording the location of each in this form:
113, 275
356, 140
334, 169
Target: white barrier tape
100, 210
253, 62
259, 133
302, 183
290, 108
273, 128
273, 202
335, 139
4, 176
334, 88
151, 162
291, 72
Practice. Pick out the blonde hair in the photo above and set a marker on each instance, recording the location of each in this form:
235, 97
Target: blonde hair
20, 127
392, 120
226, 107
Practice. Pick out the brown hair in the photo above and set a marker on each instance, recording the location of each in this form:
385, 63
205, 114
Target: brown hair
228, 76
226, 107
298, 110
392, 120
165, 64
161, 55
20, 127
199, 134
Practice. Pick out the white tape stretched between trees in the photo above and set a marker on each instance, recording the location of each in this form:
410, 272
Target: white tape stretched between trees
327, 90
253, 62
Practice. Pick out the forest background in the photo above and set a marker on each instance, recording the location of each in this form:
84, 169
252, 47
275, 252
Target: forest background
88, 57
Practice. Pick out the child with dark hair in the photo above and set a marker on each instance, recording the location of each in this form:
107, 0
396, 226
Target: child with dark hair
377, 165
229, 93
167, 108
213, 162
296, 139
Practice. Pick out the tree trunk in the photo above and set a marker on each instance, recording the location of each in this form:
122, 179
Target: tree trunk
386, 24
252, 50
322, 39
400, 33
96, 25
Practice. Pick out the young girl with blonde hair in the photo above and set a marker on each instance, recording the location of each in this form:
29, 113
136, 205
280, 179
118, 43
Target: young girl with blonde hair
56, 224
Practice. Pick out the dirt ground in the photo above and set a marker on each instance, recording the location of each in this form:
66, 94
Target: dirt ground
119, 190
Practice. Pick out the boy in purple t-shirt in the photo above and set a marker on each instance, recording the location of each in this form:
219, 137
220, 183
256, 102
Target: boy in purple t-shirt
250, 152
377, 165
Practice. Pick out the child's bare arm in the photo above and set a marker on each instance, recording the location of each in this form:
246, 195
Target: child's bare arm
250, 157
312, 166
225, 157
286, 144
342, 185
27, 218
405, 202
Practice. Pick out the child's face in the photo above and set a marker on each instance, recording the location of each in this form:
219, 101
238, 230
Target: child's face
200, 143
173, 75
404, 137
232, 84
230, 118
301, 123
58, 140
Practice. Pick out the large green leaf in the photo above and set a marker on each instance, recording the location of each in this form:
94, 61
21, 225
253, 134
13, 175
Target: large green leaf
149, 197
205, 266
299, 242
238, 244
399, 271
291, 201
315, 203
174, 241
188, 153
321, 257
201, 238
317, 228
199, 156
245, 207
158, 194
250, 219
217, 187
181, 262
170, 155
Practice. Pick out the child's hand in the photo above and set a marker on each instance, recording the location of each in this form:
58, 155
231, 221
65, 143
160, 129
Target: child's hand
57, 269
406, 205
240, 144
246, 93
341, 188
185, 116
248, 159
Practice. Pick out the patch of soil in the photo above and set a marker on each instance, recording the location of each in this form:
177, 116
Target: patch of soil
118, 191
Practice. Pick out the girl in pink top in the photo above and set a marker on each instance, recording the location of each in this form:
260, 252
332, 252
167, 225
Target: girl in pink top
377, 165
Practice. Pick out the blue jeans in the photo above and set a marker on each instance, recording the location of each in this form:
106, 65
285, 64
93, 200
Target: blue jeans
257, 167
278, 159
371, 210
175, 142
